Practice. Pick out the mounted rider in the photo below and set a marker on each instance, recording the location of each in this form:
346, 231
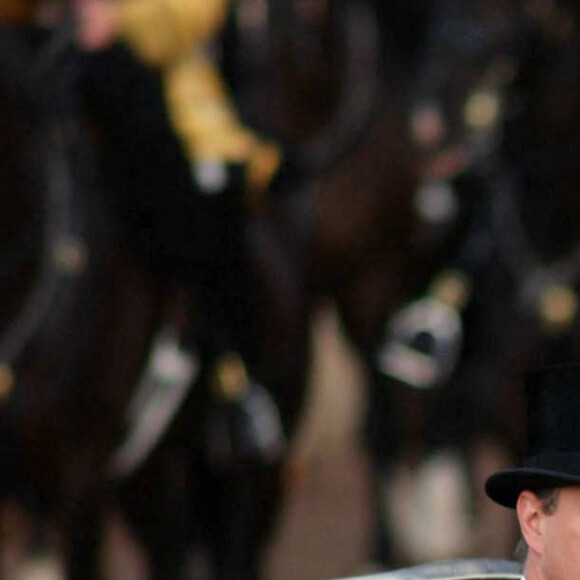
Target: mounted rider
229, 167
175, 37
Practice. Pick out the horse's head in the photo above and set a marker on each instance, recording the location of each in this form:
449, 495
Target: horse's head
470, 56
501, 81
498, 82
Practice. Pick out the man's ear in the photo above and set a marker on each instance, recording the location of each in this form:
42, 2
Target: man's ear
531, 517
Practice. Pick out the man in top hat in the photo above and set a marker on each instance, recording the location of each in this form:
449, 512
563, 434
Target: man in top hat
545, 490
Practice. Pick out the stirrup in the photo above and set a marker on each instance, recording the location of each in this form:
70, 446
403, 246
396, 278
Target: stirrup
164, 385
243, 423
423, 341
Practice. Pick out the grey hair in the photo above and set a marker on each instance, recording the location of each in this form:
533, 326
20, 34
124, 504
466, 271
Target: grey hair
549, 499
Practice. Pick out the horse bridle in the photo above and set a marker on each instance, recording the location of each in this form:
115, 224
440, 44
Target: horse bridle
64, 254
545, 289
541, 287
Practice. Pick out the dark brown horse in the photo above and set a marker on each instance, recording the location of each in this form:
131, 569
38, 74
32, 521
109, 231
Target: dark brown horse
424, 192
359, 241
90, 240
77, 311
211, 491
189, 499
352, 235
495, 145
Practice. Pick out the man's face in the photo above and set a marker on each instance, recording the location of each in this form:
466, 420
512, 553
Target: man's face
560, 559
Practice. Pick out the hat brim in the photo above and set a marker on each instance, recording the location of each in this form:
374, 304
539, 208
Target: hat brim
504, 487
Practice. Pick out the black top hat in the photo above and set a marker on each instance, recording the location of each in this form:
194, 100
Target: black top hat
553, 430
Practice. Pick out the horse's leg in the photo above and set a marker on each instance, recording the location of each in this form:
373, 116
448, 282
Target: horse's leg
239, 515
245, 501
156, 503
178, 506
83, 530
83, 562
399, 421
428, 444
496, 532
391, 419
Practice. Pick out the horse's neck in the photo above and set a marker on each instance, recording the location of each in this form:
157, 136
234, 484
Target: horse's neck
542, 143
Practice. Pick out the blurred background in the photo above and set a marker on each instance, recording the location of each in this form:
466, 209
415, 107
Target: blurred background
271, 275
